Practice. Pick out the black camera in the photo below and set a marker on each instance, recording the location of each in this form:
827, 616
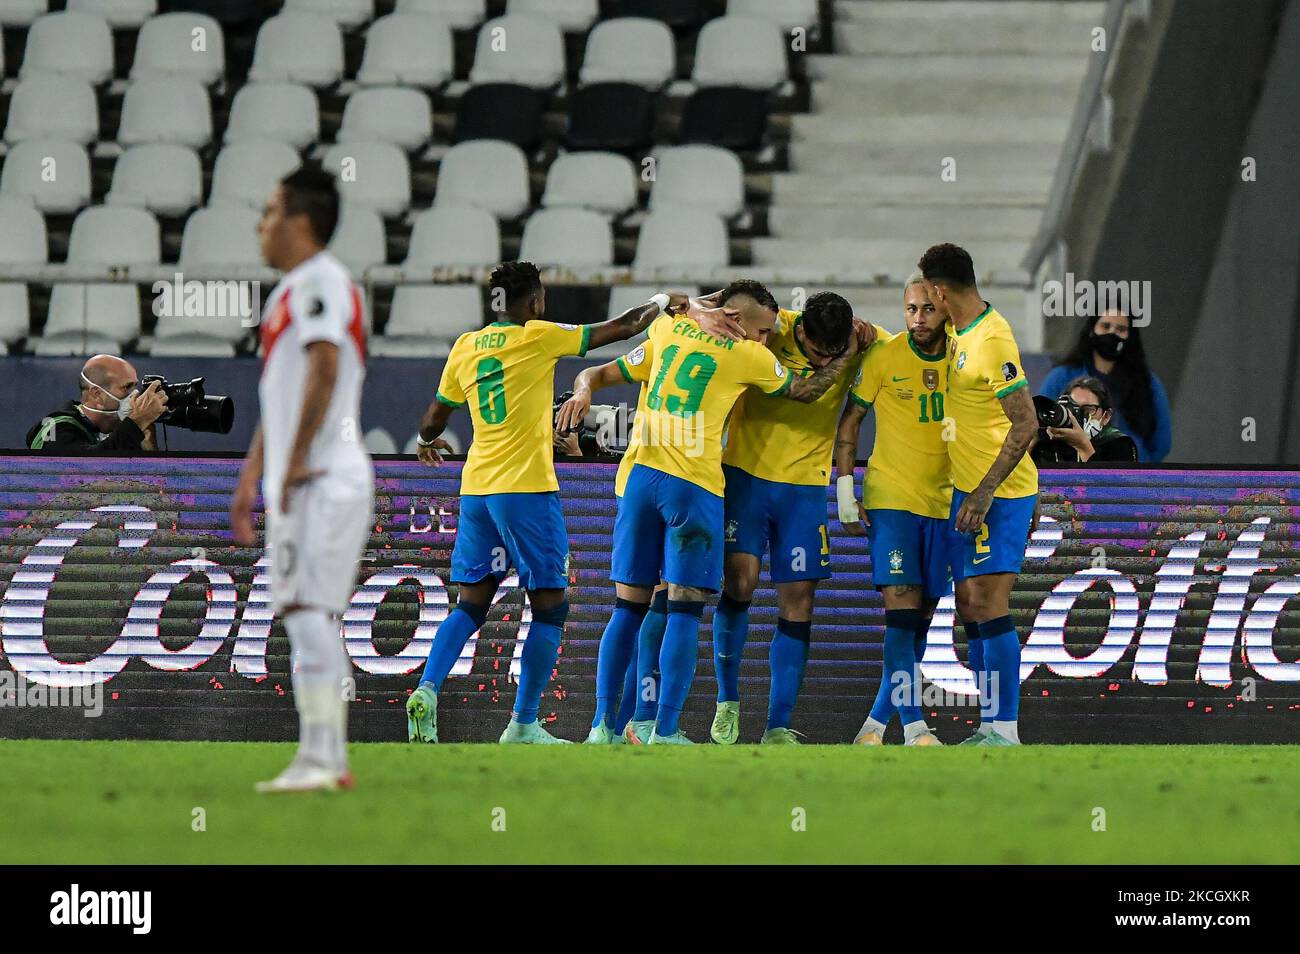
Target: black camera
590, 439
189, 407
1056, 413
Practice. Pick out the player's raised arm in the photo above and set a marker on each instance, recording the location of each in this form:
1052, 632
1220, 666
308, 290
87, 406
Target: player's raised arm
713, 320
809, 389
1019, 408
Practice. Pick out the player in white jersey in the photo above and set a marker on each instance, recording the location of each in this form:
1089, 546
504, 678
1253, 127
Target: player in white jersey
317, 479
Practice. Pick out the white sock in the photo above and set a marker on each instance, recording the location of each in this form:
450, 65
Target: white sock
984, 728
1008, 730
871, 725
320, 666
913, 729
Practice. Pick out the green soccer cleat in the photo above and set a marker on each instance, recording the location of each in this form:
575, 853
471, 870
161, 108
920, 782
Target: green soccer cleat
422, 715
530, 734
600, 735
638, 733
726, 724
976, 738
617, 738
677, 738
780, 736
995, 740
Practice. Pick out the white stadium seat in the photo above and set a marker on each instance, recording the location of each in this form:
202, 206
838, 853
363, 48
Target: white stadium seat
220, 236
162, 177
621, 298
786, 14
79, 45
740, 51
115, 235
286, 112
374, 174
22, 242
54, 176
53, 107
358, 240
426, 320
298, 48
346, 13
246, 173
602, 181
572, 16
120, 14
457, 14
167, 44
177, 338
525, 50
407, 50
681, 238
83, 314
630, 50
699, 177
23, 12
400, 115
490, 174
570, 238
453, 236
160, 108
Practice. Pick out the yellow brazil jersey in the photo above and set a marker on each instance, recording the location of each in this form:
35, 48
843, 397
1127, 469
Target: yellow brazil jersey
693, 382
506, 373
786, 441
984, 367
908, 469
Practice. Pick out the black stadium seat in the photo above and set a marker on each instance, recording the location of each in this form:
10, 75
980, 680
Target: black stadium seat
618, 117
678, 14
727, 116
501, 111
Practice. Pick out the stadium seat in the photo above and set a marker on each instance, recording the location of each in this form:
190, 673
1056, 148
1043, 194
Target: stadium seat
79, 45
177, 338
160, 108
84, 315
166, 44
22, 242
53, 107
285, 112
15, 311
621, 298
246, 173
679, 14
630, 50
220, 236
740, 51
681, 238
374, 174
450, 235
485, 173
358, 240
617, 117
786, 14
120, 14
162, 177
699, 177
21, 13
501, 111
569, 238
426, 320
602, 181
571, 16
400, 115
115, 235
727, 117
26, 175
527, 50
457, 14
298, 48
346, 13
407, 50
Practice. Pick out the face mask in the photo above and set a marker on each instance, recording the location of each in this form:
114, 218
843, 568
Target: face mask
1092, 427
123, 410
1108, 346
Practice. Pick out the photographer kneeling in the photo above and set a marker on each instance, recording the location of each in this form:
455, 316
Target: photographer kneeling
1077, 427
111, 416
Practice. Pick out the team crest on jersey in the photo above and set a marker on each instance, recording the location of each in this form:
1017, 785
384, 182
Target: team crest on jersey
566, 327
780, 369
857, 378
1009, 371
895, 561
961, 360
930, 378
315, 308
730, 531
636, 355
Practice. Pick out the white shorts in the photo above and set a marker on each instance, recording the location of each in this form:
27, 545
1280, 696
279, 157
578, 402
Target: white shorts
315, 549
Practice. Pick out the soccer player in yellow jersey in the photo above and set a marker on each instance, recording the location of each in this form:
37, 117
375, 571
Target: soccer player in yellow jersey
906, 496
670, 517
777, 465
510, 510
995, 483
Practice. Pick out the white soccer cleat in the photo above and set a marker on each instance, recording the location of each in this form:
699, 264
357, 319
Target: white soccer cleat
924, 738
306, 777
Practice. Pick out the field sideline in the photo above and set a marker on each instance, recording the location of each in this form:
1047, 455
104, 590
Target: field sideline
134, 802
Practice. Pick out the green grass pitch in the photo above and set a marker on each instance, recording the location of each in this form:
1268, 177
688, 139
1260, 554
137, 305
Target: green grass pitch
135, 802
